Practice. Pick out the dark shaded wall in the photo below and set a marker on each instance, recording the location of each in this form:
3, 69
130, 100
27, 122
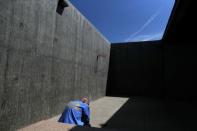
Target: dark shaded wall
135, 69
180, 52
153, 69
46, 59
180, 62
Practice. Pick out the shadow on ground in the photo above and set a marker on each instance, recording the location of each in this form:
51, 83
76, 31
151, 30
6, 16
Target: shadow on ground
90, 129
151, 114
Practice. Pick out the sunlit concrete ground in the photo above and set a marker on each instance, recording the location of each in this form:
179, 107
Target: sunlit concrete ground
101, 111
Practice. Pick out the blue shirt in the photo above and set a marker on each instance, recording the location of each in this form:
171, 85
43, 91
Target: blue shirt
76, 112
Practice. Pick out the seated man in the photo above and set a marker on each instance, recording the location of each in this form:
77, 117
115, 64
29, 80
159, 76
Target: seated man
76, 112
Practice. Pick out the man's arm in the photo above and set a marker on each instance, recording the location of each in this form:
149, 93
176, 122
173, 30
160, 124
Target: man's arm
61, 119
86, 116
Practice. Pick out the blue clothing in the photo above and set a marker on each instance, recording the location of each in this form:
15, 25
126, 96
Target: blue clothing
76, 112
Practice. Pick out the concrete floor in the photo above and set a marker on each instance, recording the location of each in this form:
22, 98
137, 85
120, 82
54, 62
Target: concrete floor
131, 114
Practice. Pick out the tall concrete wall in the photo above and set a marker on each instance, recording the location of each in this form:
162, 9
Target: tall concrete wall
156, 69
46, 59
135, 69
180, 55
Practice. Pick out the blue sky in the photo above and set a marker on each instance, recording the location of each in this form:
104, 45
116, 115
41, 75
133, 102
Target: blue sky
127, 20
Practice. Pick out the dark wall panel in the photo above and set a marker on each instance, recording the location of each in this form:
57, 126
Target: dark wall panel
135, 69
180, 70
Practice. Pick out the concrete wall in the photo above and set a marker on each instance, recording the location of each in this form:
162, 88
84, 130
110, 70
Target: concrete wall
180, 62
156, 69
135, 69
180, 52
46, 59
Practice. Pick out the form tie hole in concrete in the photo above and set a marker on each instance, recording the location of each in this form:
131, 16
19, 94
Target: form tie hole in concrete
0, 57
43, 76
15, 78
60, 7
21, 25
55, 40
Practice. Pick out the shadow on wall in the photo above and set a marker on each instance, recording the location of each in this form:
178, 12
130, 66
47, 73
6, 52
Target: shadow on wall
135, 69
153, 69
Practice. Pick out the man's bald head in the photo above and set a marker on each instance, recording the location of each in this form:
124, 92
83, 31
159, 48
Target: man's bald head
85, 100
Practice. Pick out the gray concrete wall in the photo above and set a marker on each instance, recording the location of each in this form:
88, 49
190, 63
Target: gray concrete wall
46, 59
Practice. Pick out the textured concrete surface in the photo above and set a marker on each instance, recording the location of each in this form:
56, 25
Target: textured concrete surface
180, 70
135, 69
48, 126
153, 69
46, 59
101, 111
